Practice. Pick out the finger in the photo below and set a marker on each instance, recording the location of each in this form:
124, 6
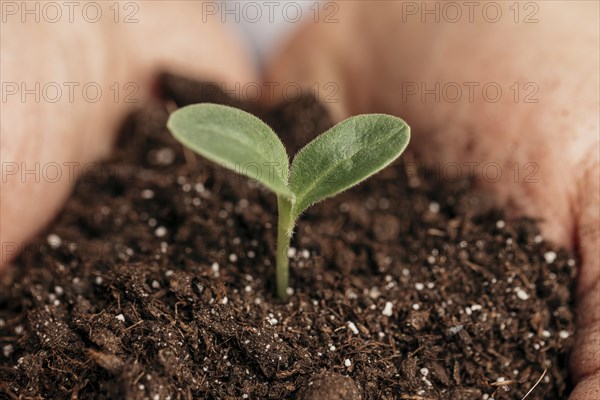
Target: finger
587, 389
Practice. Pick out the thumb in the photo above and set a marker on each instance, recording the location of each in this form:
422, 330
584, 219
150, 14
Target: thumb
585, 358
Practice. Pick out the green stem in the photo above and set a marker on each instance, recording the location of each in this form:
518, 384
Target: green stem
285, 227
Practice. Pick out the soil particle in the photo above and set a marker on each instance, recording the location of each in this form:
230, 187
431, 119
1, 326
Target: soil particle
156, 282
331, 386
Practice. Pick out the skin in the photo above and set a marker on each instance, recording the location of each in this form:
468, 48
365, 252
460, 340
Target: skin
375, 65
369, 65
79, 131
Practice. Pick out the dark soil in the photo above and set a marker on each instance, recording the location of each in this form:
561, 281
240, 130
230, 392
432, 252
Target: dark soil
156, 282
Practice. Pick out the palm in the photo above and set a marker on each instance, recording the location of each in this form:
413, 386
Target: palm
46, 143
535, 146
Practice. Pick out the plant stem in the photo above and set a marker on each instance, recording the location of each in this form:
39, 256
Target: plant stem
284, 236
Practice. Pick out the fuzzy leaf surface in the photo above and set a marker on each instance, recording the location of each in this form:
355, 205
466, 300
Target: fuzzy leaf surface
236, 140
345, 155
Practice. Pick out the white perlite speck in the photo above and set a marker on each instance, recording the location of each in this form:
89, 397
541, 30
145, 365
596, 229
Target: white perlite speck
455, 329
165, 156
521, 294
215, 268
550, 256
347, 362
538, 239
563, 334
434, 207
7, 350
419, 286
54, 240
388, 309
424, 371
291, 253
352, 327
120, 317
374, 293
500, 224
160, 231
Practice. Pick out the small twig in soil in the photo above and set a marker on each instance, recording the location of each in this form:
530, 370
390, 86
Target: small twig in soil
136, 380
536, 383
503, 383
134, 325
436, 232
475, 267
524, 279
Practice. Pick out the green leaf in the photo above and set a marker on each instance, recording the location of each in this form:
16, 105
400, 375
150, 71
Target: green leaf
345, 155
234, 139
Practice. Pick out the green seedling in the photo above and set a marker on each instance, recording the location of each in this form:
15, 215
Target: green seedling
338, 159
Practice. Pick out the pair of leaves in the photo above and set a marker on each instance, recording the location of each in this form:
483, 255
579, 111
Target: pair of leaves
338, 159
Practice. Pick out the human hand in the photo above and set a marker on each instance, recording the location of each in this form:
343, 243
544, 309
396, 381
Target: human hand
48, 137
384, 58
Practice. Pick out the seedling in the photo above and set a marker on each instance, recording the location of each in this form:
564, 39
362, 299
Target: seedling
338, 159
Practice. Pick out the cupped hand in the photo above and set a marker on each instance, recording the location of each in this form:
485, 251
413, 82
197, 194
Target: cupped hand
511, 98
68, 83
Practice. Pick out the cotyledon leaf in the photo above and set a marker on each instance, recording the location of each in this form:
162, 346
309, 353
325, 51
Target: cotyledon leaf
234, 139
345, 155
